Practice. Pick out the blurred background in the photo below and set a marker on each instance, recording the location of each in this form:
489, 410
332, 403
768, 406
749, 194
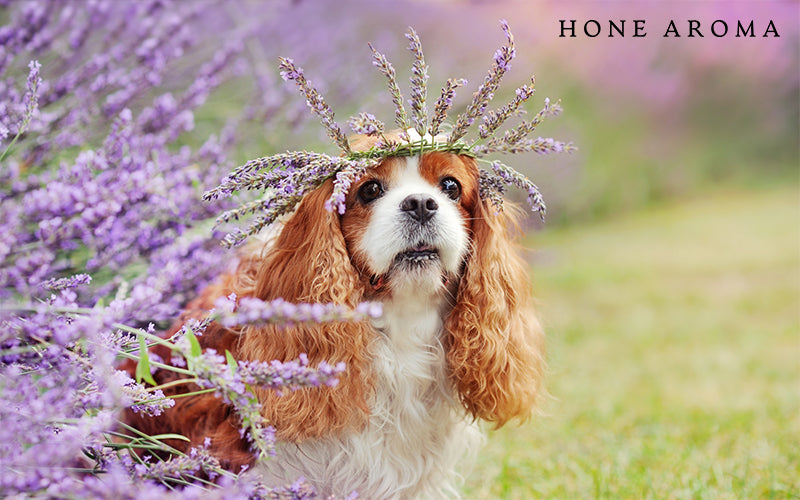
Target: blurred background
668, 269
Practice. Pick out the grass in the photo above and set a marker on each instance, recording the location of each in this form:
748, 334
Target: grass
674, 350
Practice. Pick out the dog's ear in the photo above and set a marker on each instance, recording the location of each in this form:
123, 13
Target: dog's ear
309, 262
494, 341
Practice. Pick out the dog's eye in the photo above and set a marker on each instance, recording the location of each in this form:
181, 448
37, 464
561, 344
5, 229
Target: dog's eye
451, 188
370, 191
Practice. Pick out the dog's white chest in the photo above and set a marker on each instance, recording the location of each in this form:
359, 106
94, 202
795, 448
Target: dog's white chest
417, 430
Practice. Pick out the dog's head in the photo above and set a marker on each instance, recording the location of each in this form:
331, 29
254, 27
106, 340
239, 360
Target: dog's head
407, 226
415, 226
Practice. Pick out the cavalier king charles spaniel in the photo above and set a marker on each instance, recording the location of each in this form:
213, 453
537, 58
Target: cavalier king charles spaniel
458, 340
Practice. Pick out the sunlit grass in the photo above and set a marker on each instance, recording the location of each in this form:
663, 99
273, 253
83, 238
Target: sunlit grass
674, 348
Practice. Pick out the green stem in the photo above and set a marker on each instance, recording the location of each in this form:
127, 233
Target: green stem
156, 363
193, 393
172, 384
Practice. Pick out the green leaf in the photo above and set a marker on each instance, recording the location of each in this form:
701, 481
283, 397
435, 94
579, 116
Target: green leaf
232, 364
159, 437
195, 350
143, 366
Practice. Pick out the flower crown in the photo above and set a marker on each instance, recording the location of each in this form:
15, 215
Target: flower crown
287, 177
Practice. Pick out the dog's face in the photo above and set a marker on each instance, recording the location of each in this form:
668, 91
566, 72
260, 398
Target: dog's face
407, 221
415, 235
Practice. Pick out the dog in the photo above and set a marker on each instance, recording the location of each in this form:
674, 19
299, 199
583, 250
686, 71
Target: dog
458, 340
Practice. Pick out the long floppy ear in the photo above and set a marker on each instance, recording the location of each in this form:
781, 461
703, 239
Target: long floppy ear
309, 262
494, 341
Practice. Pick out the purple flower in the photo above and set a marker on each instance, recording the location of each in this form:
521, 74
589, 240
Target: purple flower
105, 155
444, 103
70, 282
485, 93
382, 63
249, 310
419, 79
366, 123
314, 101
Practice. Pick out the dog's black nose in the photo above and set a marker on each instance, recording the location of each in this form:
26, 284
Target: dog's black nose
420, 207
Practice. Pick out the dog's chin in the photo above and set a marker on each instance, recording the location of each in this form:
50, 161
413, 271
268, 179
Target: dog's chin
418, 269
417, 258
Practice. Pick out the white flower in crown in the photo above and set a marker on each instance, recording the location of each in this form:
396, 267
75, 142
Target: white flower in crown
286, 177
426, 141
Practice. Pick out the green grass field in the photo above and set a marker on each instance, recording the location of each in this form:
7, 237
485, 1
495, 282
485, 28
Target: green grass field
674, 351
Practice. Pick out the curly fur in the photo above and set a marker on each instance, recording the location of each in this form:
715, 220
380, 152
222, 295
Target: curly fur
495, 344
450, 348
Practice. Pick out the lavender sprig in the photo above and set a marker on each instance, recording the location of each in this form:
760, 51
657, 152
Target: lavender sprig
344, 179
540, 145
385, 67
512, 140
30, 103
250, 310
290, 375
214, 372
271, 210
494, 119
485, 93
288, 169
270, 207
315, 101
444, 103
419, 80
181, 468
503, 174
286, 178
55, 284
140, 400
492, 188
367, 124
231, 381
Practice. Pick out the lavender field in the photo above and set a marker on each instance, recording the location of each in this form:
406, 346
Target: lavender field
117, 116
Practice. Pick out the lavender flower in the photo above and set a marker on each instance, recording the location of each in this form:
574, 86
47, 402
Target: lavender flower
509, 176
385, 67
54, 284
291, 375
30, 105
493, 119
286, 178
344, 179
287, 173
514, 140
185, 467
419, 79
250, 310
485, 93
367, 124
315, 101
230, 381
102, 172
140, 400
32, 95
444, 103
492, 188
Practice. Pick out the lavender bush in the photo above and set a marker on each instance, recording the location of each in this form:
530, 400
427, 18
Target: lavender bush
105, 238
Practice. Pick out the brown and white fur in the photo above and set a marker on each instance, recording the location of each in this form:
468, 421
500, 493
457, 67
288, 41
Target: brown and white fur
458, 340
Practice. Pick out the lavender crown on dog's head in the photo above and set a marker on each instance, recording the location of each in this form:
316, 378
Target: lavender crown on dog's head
285, 178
